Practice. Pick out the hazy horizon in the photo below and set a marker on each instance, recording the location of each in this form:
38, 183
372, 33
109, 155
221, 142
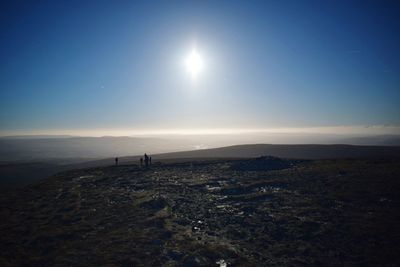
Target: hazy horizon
369, 130
67, 148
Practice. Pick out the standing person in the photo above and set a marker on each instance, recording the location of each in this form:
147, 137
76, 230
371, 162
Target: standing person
146, 160
141, 162
150, 160
116, 161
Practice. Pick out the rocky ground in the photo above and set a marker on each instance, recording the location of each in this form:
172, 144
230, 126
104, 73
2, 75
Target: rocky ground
260, 212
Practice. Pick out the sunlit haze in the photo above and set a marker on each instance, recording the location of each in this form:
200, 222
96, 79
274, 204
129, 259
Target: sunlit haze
100, 68
194, 63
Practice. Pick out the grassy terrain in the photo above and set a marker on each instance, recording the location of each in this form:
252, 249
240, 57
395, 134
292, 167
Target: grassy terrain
17, 173
241, 212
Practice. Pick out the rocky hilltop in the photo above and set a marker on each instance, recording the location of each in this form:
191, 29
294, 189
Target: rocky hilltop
257, 212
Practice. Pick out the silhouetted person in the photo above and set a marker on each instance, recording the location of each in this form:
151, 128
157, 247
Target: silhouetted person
141, 161
150, 160
116, 161
146, 160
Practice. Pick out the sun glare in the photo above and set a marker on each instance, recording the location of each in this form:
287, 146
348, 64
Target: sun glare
194, 63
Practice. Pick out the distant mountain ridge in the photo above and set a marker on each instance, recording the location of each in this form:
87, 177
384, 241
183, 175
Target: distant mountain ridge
21, 137
293, 151
65, 148
312, 152
378, 140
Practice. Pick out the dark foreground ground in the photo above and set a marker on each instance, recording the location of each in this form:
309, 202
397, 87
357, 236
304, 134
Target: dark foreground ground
216, 213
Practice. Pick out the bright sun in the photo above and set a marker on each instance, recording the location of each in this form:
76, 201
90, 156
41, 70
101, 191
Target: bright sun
194, 63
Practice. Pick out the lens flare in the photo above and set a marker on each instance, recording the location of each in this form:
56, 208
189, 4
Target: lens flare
194, 63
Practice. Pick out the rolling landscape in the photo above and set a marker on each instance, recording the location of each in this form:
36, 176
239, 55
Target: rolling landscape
208, 212
199, 133
27, 159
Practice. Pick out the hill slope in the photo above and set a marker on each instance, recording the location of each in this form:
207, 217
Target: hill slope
15, 175
257, 150
318, 213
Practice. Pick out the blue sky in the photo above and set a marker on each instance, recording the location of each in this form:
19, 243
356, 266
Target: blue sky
81, 65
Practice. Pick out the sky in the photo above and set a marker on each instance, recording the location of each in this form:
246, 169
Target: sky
113, 66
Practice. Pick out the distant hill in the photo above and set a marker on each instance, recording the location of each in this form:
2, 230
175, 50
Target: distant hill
22, 137
292, 151
283, 151
69, 149
42, 148
378, 140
